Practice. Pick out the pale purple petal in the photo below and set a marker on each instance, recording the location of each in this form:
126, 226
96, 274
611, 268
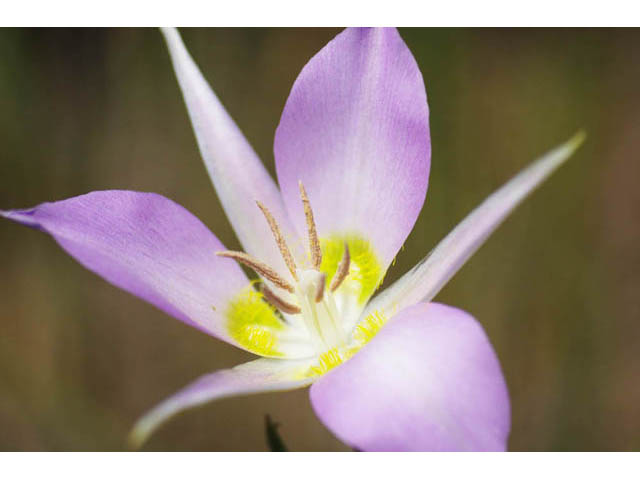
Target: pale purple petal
235, 170
429, 381
262, 375
427, 278
147, 245
355, 131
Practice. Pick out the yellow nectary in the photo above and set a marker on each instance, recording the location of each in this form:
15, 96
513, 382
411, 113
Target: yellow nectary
253, 323
365, 273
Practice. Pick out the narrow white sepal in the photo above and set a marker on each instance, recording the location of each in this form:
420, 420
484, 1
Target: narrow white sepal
238, 175
423, 282
263, 375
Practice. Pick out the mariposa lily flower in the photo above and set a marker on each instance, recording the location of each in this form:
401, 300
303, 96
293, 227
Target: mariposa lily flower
352, 154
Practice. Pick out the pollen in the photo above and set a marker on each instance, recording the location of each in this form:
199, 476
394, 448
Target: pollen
282, 244
342, 270
314, 244
259, 267
278, 302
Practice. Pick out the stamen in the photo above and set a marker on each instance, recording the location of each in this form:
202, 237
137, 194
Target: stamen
343, 269
282, 245
314, 244
320, 288
278, 302
261, 268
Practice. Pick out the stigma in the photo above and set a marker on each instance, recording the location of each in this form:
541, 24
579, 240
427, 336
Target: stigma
308, 296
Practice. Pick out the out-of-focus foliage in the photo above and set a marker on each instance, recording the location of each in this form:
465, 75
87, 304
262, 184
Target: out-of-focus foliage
556, 287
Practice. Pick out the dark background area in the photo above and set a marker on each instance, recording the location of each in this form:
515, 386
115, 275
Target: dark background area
557, 287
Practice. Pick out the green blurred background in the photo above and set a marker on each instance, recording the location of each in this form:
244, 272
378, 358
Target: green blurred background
557, 287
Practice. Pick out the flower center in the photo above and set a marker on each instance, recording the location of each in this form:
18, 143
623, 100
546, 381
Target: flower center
308, 296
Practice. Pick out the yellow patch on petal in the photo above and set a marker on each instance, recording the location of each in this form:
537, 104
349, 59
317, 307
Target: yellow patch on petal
327, 361
369, 327
253, 323
362, 334
365, 272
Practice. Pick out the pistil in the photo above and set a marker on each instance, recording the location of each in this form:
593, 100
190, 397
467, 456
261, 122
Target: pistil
320, 317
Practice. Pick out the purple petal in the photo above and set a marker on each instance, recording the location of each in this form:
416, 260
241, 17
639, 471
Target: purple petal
147, 245
426, 279
235, 170
355, 131
429, 381
262, 375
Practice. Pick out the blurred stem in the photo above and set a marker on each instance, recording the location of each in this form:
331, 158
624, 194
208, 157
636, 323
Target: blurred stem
273, 437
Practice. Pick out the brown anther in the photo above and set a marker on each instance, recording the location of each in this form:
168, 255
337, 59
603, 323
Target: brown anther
320, 288
278, 302
314, 244
260, 268
282, 245
343, 269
